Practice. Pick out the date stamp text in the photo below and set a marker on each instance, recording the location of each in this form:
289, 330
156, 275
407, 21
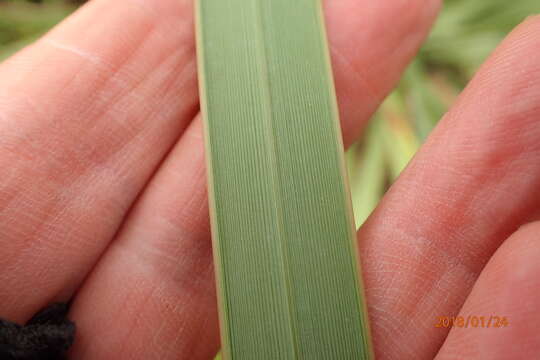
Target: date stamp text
472, 321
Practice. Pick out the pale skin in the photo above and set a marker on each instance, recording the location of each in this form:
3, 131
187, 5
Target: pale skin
103, 194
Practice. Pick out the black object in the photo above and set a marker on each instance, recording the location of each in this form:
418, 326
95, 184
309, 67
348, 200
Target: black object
47, 336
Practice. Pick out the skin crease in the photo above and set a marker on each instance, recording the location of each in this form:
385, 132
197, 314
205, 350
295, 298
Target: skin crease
105, 192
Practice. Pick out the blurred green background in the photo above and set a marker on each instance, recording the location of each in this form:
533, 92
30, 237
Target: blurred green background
23, 21
466, 33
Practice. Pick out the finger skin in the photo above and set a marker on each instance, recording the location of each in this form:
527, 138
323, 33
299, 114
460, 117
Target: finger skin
371, 43
86, 115
159, 269
476, 180
509, 288
166, 239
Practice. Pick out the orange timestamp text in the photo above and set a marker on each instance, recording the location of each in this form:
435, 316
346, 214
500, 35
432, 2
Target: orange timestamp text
472, 321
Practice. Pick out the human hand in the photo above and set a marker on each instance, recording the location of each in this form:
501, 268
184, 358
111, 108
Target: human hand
103, 197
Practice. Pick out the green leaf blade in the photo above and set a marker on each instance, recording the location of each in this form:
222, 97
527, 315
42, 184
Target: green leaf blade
283, 230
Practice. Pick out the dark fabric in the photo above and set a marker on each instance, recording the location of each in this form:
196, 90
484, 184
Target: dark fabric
47, 336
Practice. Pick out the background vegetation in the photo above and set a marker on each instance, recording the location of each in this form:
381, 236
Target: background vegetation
465, 34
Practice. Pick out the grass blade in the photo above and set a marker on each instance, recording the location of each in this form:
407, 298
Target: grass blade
398, 135
367, 172
283, 229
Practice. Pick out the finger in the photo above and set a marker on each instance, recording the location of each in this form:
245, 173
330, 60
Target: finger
371, 43
168, 292
500, 316
476, 180
86, 114
166, 242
